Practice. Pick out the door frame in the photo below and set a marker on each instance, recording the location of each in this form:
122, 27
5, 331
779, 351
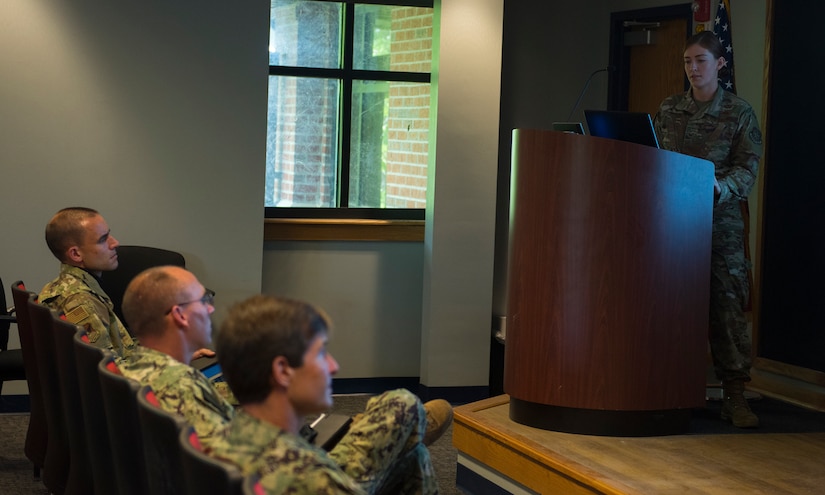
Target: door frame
618, 83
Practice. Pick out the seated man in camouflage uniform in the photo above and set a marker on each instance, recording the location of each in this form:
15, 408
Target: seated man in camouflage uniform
82, 241
169, 311
273, 355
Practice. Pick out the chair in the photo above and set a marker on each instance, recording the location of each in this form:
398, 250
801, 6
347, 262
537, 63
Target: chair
120, 403
37, 433
205, 474
87, 358
80, 472
11, 360
161, 448
56, 472
252, 485
131, 261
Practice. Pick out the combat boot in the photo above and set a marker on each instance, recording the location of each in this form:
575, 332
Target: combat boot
439, 418
735, 407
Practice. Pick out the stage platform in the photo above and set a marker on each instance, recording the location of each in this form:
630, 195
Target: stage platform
499, 456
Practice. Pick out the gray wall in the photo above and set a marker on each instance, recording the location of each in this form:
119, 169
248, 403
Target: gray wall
154, 113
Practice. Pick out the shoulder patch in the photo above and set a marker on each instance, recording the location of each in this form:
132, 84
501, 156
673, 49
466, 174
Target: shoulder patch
77, 315
756, 135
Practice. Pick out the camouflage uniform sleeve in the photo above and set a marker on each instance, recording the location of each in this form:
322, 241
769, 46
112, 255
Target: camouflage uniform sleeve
226, 392
318, 481
85, 310
302, 469
284, 463
192, 396
746, 149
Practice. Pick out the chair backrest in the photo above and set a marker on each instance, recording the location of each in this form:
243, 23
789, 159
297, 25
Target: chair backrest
132, 260
252, 485
161, 448
126, 439
87, 358
57, 448
80, 472
6, 319
205, 474
11, 361
37, 434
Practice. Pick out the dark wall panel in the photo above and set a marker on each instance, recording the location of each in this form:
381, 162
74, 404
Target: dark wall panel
792, 319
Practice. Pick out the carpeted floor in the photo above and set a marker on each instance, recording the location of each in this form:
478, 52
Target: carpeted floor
16, 470
775, 417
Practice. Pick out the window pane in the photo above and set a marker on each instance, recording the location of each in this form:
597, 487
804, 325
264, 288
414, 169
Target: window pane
305, 34
301, 142
393, 38
389, 144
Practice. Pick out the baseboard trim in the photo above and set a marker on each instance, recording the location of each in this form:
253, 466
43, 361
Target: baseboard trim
454, 395
15, 403
474, 478
373, 385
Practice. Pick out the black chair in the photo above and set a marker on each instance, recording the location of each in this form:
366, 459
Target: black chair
87, 358
252, 486
80, 472
131, 261
206, 474
126, 439
161, 448
11, 360
37, 433
56, 472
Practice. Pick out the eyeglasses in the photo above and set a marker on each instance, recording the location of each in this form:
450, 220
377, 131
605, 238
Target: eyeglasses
208, 299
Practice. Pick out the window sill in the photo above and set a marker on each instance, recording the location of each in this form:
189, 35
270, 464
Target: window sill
321, 229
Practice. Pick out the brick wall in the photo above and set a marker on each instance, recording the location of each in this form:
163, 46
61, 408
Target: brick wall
302, 141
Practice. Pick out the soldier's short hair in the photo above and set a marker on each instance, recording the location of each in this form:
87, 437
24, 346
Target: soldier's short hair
255, 332
65, 229
148, 298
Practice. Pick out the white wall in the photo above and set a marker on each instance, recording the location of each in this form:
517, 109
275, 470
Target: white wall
372, 292
152, 112
460, 234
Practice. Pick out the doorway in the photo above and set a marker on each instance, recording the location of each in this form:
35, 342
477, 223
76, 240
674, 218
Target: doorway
646, 49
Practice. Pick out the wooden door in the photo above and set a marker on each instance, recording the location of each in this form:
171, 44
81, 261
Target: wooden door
646, 73
657, 70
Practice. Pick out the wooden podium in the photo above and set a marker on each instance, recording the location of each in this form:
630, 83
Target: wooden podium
609, 275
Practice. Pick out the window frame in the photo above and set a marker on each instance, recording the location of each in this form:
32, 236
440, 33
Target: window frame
346, 75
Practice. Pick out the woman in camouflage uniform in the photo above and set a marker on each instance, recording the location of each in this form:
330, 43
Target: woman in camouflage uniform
711, 123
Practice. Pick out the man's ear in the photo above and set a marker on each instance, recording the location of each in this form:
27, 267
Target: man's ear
74, 255
281, 371
179, 317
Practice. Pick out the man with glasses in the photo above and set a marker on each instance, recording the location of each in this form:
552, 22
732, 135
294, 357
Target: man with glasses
169, 310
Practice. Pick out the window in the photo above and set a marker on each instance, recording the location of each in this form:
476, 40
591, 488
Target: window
349, 105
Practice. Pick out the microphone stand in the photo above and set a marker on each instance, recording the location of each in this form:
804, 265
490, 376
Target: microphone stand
586, 84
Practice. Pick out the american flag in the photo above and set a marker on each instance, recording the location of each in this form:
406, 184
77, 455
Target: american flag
722, 29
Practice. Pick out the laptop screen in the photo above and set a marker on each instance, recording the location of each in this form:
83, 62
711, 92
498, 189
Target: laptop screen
633, 127
572, 127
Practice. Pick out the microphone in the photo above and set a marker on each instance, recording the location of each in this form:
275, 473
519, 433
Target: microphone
586, 84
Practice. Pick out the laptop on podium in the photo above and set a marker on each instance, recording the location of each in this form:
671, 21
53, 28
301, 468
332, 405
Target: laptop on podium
633, 127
